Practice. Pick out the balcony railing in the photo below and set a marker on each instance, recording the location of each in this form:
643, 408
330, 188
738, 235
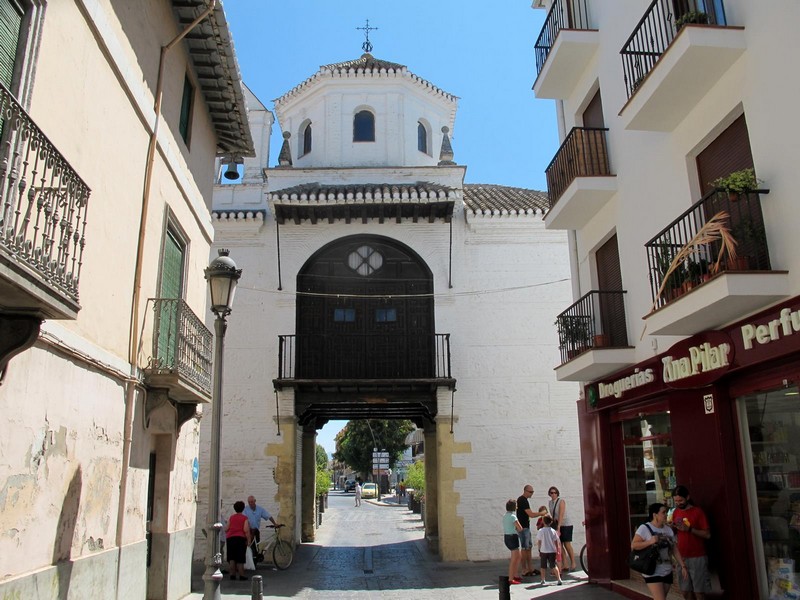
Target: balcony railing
746, 225
657, 28
596, 320
364, 356
182, 344
564, 14
43, 202
583, 153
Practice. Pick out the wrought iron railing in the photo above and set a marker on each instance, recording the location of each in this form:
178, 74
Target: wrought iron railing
364, 356
596, 320
564, 14
182, 344
43, 201
582, 154
745, 223
657, 28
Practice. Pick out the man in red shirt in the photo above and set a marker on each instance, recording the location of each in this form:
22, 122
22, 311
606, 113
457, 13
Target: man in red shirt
692, 530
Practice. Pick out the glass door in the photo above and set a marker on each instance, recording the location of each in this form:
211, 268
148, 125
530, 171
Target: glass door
649, 466
772, 435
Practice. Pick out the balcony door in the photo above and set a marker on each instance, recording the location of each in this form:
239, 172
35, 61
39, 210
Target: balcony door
612, 306
171, 287
365, 311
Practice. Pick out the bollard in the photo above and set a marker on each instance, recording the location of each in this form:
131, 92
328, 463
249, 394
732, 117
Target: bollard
257, 588
505, 588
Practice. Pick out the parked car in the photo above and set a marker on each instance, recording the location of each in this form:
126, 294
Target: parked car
369, 490
349, 486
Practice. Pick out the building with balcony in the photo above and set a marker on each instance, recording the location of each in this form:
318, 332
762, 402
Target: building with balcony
111, 123
672, 184
377, 284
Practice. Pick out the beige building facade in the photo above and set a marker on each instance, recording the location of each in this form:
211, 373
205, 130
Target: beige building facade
111, 124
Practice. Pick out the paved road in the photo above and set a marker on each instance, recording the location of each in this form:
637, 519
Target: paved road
376, 552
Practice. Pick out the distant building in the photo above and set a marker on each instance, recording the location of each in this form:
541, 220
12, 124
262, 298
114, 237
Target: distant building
104, 358
376, 284
689, 354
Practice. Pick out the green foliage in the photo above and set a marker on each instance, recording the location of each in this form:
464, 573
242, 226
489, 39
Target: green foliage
693, 16
322, 457
323, 481
415, 478
738, 182
573, 331
354, 443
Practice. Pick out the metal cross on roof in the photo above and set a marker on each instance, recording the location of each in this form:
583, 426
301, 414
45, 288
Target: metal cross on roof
367, 46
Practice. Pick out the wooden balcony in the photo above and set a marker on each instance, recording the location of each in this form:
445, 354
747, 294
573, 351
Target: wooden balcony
579, 179
672, 60
564, 48
355, 376
710, 289
181, 360
43, 211
593, 337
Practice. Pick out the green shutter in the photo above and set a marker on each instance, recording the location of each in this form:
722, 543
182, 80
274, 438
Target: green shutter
186, 109
10, 22
171, 284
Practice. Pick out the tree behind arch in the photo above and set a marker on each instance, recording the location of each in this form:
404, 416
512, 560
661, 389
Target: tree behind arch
354, 442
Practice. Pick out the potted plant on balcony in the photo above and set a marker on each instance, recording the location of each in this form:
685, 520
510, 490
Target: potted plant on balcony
698, 270
738, 182
573, 333
693, 16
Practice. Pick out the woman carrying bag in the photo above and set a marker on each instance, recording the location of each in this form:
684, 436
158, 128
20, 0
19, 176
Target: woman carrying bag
657, 533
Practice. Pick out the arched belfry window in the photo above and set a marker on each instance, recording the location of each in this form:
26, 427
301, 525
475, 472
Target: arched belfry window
364, 126
306, 140
422, 138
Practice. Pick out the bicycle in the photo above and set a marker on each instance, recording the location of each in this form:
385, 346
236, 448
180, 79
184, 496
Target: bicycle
584, 558
282, 552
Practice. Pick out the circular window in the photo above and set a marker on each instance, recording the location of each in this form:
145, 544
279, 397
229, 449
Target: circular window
365, 260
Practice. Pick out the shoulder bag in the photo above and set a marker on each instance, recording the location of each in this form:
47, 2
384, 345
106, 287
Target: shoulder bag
645, 560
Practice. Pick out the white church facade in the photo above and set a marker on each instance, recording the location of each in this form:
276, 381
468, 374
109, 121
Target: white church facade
377, 284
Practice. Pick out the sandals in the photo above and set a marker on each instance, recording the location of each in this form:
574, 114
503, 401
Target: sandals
531, 573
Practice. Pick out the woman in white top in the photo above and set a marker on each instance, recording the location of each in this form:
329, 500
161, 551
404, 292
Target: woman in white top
558, 508
659, 533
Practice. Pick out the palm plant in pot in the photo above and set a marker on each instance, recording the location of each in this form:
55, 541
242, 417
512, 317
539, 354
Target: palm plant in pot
574, 333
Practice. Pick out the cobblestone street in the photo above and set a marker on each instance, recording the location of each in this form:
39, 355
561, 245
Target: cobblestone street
377, 551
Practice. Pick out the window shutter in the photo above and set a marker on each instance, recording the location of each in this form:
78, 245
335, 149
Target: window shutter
10, 22
728, 153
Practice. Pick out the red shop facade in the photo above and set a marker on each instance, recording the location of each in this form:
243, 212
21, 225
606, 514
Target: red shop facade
718, 412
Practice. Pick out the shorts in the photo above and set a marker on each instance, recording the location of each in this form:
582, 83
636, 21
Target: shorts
698, 579
566, 533
512, 541
658, 579
547, 560
525, 539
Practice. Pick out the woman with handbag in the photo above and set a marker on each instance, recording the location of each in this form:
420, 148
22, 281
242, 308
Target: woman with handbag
238, 538
657, 534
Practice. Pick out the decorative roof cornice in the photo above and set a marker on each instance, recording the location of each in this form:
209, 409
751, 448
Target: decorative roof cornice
211, 51
314, 193
365, 67
490, 201
239, 216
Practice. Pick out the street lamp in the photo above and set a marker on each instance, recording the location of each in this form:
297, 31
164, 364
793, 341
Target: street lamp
222, 276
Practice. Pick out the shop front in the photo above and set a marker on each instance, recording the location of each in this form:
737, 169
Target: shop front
718, 412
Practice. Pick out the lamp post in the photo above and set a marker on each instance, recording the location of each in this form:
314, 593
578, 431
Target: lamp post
222, 276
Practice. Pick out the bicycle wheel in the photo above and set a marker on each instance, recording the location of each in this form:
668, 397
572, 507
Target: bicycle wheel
282, 555
584, 557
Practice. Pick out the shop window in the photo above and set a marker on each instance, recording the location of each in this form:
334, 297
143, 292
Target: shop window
648, 463
773, 429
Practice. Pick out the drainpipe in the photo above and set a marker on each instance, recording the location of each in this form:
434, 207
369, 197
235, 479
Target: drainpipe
572, 239
133, 334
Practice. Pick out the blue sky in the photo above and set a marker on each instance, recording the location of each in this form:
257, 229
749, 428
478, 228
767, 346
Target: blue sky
479, 51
